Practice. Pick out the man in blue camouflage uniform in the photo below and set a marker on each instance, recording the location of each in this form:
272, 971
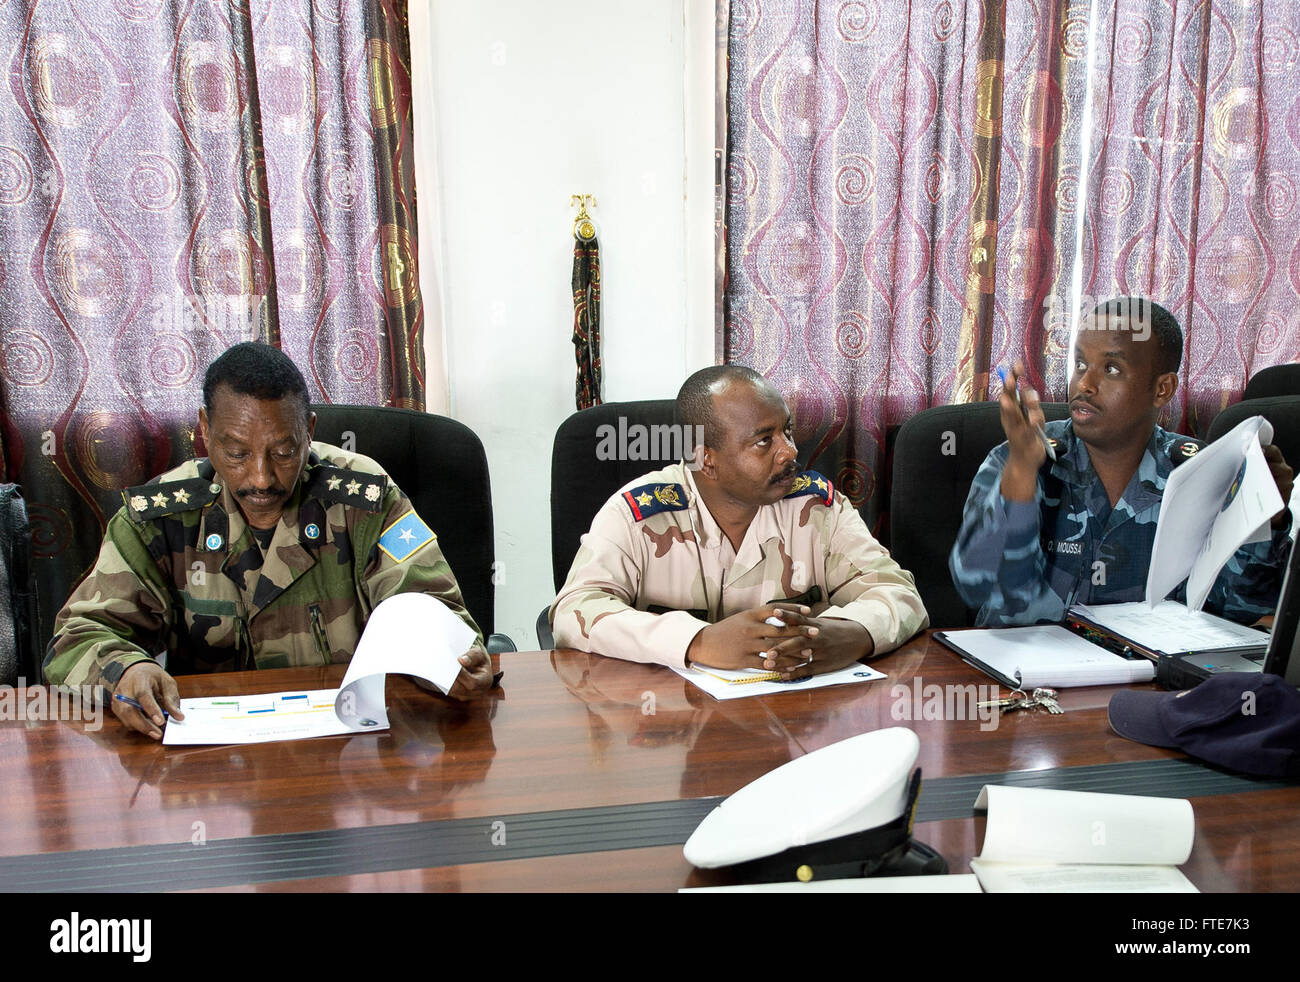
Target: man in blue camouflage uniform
269, 553
1039, 536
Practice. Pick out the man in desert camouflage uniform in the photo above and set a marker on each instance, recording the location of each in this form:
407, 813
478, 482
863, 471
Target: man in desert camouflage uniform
270, 553
1039, 536
688, 564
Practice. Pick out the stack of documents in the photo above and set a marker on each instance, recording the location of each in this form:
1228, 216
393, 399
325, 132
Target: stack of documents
1046, 654
1171, 629
1039, 840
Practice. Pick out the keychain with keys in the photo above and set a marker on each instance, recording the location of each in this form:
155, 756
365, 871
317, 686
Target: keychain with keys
1040, 698
1047, 699
1016, 700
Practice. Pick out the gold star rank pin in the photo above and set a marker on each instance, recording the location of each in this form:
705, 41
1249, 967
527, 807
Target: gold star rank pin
650, 499
810, 482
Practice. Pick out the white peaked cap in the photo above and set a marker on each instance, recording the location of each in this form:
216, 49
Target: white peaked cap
851, 786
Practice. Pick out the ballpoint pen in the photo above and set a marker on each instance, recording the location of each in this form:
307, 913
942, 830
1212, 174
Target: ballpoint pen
131, 702
1042, 434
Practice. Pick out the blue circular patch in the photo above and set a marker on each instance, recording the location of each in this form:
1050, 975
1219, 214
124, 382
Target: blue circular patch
213, 542
312, 531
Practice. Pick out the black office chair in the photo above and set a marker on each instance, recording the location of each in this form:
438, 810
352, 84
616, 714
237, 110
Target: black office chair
20, 653
936, 455
1277, 380
1282, 411
440, 465
581, 481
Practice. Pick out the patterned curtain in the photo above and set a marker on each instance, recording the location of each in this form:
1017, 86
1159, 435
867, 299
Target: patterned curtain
919, 192
177, 176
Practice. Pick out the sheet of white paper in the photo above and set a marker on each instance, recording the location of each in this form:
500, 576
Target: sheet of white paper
1196, 498
1171, 628
1249, 504
720, 688
949, 883
408, 634
1048, 654
1045, 826
1013, 878
257, 719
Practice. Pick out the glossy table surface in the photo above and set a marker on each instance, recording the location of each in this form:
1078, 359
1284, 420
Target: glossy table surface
568, 733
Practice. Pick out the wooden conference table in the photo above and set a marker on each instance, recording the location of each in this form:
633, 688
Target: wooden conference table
580, 773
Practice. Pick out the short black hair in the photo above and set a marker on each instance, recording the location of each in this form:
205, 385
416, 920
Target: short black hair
252, 368
1164, 328
695, 400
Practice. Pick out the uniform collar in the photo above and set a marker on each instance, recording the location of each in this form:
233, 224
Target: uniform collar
261, 579
1146, 486
708, 533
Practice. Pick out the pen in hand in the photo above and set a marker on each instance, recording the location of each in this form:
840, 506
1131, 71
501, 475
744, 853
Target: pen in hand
1024, 411
131, 702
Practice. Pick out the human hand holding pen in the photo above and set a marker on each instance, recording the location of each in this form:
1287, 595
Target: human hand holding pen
821, 644
142, 695
1022, 422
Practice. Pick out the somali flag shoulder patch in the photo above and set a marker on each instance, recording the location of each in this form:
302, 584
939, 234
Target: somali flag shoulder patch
405, 537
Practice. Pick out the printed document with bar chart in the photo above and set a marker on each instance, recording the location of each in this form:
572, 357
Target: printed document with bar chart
408, 634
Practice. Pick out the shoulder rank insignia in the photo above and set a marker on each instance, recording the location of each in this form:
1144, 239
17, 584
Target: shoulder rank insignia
1184, 449
1048, 462
651, 499
405, 537
337, 485
155, 500
810, 482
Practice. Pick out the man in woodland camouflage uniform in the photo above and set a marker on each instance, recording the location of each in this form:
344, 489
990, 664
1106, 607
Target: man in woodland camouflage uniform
688, 564
269, 553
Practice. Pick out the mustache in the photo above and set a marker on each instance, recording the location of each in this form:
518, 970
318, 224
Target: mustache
249, 492
789, 472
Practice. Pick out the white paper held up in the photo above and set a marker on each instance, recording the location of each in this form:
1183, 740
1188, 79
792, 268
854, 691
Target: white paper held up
408, 634
1220, 500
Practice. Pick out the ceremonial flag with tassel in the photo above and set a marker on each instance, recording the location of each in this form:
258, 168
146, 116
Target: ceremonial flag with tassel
586, 310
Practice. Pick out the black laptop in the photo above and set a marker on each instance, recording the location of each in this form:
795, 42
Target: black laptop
1186, 670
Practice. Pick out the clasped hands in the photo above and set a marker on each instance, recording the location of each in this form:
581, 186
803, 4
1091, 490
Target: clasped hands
805, 646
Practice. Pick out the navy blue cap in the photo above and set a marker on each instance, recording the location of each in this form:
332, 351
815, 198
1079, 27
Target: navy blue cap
1247, 721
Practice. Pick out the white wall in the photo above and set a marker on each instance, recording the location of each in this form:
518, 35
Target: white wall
535, 102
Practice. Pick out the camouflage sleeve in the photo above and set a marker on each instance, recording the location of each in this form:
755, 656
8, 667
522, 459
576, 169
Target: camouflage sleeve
117, 616
866, 585
1248, 587
997, 562
595, 609
396, 563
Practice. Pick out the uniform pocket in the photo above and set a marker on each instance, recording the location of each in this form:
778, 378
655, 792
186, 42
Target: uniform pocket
318, 632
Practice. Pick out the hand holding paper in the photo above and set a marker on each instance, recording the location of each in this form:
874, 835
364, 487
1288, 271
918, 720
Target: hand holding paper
408, 634
1218, 501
